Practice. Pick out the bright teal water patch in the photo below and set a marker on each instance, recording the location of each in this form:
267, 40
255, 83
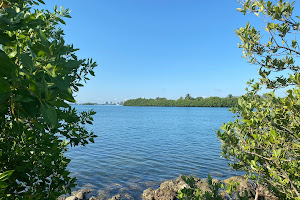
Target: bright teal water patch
139, 147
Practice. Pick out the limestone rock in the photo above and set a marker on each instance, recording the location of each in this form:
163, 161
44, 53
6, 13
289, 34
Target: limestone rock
128, 197
167, 190
72, 198
81, 194
244, 184
62, 198
102, 195
116, 197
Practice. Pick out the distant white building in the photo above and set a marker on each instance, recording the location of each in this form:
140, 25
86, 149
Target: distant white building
119, 103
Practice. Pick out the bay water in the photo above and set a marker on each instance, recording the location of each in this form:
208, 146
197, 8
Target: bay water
140, 147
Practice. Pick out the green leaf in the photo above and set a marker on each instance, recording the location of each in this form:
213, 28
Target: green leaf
92, 72
5, 90
43, 38
59, 103
40, 50
67, 95
294, 43
4, 39
253, 163
30, 107
4, 86
4, 97
7, 66
277, 153
61, 21
27, 62
49, 114
22, 98
5, 175
35, 88
65, 91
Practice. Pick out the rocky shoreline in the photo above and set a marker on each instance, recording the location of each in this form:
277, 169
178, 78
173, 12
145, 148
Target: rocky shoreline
168, 190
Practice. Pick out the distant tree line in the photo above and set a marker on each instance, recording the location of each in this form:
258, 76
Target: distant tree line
188, 101
89, 103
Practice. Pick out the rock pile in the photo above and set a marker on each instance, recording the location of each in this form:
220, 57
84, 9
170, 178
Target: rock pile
168, 190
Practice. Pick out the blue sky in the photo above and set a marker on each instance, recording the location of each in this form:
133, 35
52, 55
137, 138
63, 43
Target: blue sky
158, 48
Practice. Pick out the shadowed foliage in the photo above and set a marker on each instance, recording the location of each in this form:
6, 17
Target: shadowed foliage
39, 74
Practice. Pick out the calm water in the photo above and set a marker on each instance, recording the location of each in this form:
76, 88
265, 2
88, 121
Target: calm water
139, 147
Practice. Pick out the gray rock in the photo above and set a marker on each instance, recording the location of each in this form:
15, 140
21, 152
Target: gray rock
62, 198
102, 195
167, 190
128, 197
148, 194
72, 198
116, 197
244, 184
82, 194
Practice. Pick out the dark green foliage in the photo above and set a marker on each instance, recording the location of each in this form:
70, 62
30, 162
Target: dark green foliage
39, 74
187, 102
3, 177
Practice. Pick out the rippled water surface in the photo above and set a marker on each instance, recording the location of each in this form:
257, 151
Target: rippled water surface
139, 147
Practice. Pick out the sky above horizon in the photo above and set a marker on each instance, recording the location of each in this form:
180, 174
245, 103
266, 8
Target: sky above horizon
158, 48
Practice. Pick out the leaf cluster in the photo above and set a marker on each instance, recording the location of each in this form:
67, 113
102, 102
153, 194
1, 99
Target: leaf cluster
278, 50
217, 190
264, 139
39, 74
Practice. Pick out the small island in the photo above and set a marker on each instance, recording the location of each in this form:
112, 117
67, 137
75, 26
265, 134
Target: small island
188, 101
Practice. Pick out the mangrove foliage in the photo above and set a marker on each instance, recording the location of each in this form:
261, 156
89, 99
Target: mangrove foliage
188, 101
39, 75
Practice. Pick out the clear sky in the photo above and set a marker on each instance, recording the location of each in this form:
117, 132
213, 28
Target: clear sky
158, 48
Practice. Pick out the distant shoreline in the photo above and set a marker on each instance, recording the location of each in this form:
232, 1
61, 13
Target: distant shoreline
188, 101
155, 106
96, 104
184, 106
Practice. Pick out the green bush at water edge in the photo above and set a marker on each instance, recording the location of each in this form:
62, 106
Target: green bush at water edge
39, 74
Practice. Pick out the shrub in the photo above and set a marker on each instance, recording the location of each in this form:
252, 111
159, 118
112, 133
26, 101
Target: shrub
39, 74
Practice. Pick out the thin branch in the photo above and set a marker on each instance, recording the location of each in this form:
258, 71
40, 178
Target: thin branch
296, 52
288, 178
